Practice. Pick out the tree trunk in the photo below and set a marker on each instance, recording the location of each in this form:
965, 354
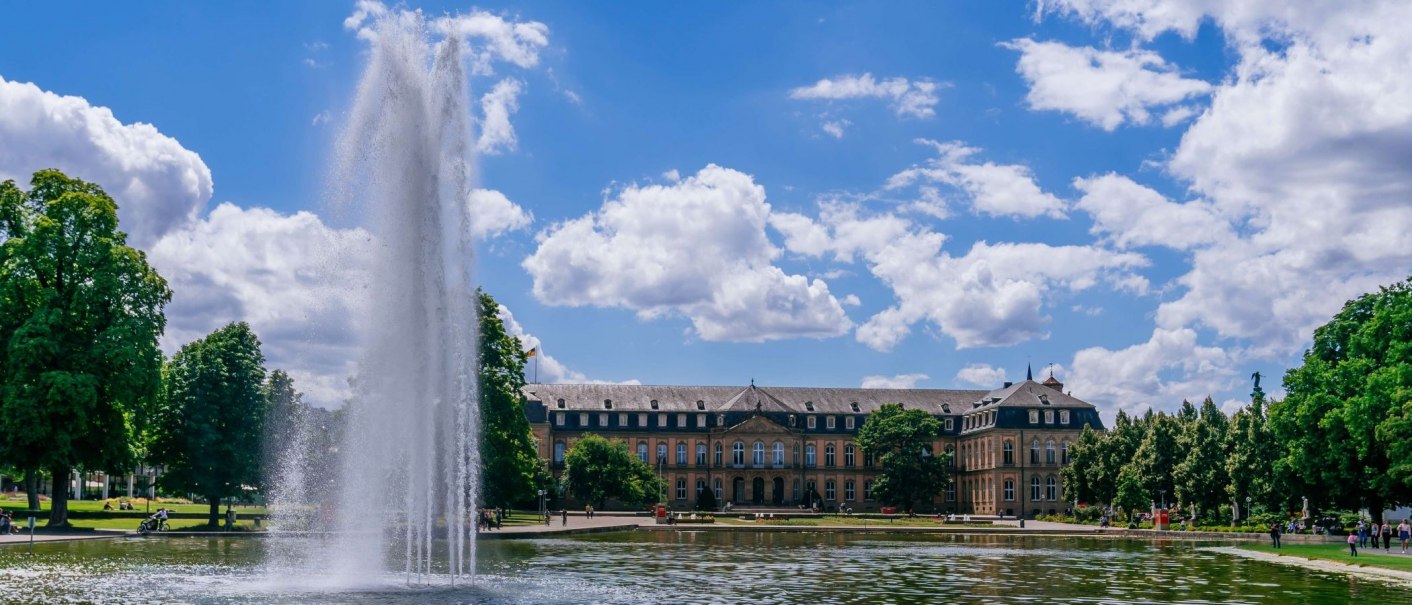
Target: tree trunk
59, 497
32, 488
215, 519
1375, 509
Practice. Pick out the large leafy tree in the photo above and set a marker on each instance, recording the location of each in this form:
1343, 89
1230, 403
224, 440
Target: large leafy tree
1251, 465
1200, 478
901, 440
1346, 422
1081, 477
1156, 459
1119, 447
210, 419
80, 315
597, 469
510, 466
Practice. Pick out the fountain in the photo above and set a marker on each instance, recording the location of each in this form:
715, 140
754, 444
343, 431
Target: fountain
408, 472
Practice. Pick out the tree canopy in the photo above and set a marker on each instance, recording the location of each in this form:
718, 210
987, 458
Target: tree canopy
901, 440
210, 419
597, 469
80, 315
511, 469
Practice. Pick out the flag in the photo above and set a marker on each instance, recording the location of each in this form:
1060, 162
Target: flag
532, 352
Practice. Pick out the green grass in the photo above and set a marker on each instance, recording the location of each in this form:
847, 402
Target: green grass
139, 505
1339, 552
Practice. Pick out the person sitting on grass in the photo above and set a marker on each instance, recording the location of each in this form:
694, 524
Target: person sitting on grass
107, 505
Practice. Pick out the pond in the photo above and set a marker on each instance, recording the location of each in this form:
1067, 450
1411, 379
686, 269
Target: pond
697, 567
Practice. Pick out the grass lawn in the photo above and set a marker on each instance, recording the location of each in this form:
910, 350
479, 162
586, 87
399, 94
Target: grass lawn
837, 521
139, 504
1339, 552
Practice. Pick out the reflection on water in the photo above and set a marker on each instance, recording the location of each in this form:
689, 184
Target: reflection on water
704, 567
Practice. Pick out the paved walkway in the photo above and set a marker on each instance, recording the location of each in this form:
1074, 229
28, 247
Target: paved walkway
41, 536
576, 525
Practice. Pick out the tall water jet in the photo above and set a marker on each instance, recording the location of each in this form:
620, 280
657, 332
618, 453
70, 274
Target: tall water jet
410, 454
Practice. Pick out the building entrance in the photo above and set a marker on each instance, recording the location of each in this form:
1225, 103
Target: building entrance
757, 490
738, 490
778, 498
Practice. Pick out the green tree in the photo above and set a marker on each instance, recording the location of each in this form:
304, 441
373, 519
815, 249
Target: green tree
80, 315
511, 469
597, 469
1251, 465
901, 441
1080, 476
1119, 447
1132, 492
1157, 458
1346, 422
285, 418
211, 417
1200, 478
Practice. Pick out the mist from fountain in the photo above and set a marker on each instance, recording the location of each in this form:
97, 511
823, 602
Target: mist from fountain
409, 457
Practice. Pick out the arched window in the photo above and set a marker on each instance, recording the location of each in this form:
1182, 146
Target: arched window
1064, 452
1009, 448
1034, 488
1051, 489
828, 456
810, 457
661, 452
681, 453
558, 452
796, 455
1034, 452
777, 454
718, 455
849, 456
757, 454
1049, 452
1009, 490
951, 453
642, 451
738, 454
701, 454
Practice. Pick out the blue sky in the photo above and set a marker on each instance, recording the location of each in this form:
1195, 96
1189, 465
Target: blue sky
1157, 199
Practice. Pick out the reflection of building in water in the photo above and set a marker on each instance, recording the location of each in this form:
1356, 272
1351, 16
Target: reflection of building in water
790, 446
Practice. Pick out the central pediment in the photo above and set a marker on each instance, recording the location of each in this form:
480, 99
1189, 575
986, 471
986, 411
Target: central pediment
758, 425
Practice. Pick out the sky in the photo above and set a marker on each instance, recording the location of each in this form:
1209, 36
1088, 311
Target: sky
1152, 200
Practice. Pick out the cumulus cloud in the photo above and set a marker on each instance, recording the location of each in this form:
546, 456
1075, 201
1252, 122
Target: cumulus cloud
550, 370
909, 98
1104, 88
1160, 373
158, 184
1134, 215
489, 37
298, 282
696, 248
491, 214
496, 132
900, 381
835, 128
993, 295
981, 374
994, 189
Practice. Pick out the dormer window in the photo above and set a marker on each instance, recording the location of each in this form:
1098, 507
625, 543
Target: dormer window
720, 419
854, 405
792, 420
1044, 399
653, 403
607, 404
1063, 416
945, 409
809, 405
700, 405
561, 404
1034, 416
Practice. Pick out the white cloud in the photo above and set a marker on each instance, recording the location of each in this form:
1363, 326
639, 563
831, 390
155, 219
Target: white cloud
900, 381
910, 98
851, 300
323, 117
496, 132
549, 369
995, 189
981, 374
835, 128
491, 214
1104, 88
696, 248
993, 295
298, 282
489, 38
1134, 215
1159, 373
158, 184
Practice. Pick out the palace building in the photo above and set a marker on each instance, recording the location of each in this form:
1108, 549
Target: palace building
794, 446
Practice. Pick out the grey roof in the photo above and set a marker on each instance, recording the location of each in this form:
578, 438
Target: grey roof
633, 398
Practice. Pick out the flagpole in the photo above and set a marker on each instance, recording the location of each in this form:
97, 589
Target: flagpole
536, 368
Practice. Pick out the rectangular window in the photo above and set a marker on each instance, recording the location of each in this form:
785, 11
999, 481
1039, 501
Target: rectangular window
622, 420
662, 420
700, 454
681, 489
583, 419
642, 420
717, 489
1049, 416
809, 455
602, 420
700, 421
848, 423
951, 492
1063, 416
812, 423
681, 421
868, 490
830, 490
559, 452
849, 493
1009, 490
950, 425
1034, 416
831, 422
558, 419
681, 453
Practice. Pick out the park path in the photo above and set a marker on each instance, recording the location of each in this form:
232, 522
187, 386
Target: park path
577, 523
1393, 575
41, 536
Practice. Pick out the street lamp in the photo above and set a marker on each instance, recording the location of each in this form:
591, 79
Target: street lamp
1247, 507
543, 510
661, 482
1163, 492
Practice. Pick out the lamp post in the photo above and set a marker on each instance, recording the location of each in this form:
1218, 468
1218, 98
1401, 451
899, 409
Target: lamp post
1163, 493
661, 481
1247, 507
542, 505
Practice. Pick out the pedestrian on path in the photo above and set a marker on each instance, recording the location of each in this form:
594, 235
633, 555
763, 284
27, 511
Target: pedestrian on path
1404, 533
565, 517
1353, 544
1387, 536
1362, 534
1275, 535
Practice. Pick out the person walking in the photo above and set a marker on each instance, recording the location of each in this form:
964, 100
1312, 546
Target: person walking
1353, 544
1275, 534
564, 516
1387, 536
1362, 534
1404, 533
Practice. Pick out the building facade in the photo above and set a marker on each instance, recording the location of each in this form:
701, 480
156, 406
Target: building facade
795, 446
